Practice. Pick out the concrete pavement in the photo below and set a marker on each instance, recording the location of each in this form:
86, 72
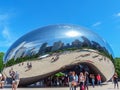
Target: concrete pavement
108, 86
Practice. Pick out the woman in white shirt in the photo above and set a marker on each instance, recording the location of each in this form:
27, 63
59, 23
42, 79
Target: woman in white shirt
81, 81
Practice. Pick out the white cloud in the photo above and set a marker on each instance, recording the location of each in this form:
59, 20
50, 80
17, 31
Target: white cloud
5, 34
7, 37
96, 24
4, 19
117, 14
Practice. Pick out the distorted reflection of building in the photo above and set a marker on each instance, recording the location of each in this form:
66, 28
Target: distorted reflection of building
43, 48
59, 48
76, 43
19, 53
86, 42
12, 53
57, 45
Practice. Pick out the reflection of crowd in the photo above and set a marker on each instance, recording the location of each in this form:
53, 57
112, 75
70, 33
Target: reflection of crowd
55, 58
29, 66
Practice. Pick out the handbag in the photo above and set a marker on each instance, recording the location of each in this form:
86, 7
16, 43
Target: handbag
74, 83
83, 88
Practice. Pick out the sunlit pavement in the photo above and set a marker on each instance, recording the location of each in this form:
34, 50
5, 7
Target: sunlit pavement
108, 86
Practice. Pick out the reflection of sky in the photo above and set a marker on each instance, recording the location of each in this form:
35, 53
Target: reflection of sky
54, 33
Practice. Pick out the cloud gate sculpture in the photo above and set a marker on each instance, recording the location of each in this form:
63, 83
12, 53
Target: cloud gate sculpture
56, 48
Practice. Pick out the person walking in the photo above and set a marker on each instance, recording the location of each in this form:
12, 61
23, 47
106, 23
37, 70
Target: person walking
98, 77
81, 81
12, 74
86, 74
3, 81
0, 80
70, 79
92, 76
115, 80
76, 80
15, 80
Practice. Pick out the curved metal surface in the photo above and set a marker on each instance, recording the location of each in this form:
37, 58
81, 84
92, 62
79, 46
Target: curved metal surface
52, 44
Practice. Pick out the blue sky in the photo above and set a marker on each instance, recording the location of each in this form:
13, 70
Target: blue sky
17, 17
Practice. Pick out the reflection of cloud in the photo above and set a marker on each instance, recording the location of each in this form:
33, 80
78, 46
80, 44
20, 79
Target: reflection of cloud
65, 26
73, 33
68, 27
32, 44
96, 24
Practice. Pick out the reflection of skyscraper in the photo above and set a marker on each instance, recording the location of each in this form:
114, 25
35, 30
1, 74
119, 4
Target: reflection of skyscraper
43, 48
96, 45
29, 52
57, 45
19, 53
76, 43
33, 51
105, 50
86, 42
67, 46
48, 49
12, 54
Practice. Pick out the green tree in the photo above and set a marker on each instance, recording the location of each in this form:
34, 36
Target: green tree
117, 65
1, 60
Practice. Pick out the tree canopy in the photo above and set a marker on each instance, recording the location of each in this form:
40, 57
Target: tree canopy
1, 61
117, 65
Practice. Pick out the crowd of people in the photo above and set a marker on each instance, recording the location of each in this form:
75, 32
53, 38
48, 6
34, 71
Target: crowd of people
14, 76
14, 79
72, 79
82, 80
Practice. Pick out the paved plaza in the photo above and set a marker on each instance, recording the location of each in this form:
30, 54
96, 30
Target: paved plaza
108, 86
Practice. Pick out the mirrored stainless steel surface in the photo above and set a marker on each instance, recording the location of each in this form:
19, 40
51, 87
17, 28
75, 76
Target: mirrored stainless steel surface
51, 43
